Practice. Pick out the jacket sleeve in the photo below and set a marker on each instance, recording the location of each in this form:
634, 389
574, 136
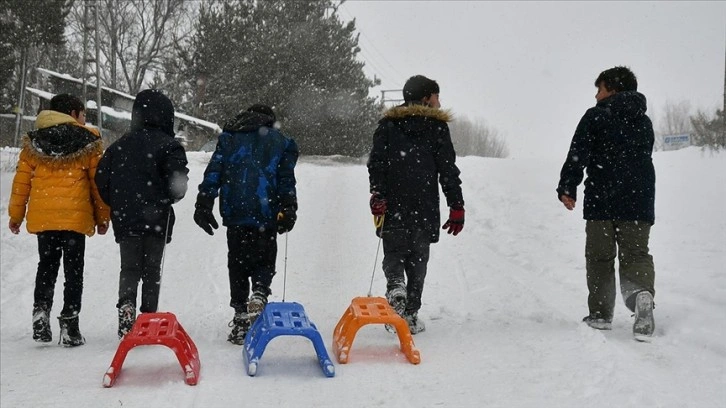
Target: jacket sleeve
378, 163
448, 171
102, 176
21, 188
212, 181
175, 171
101, 210
286, 175
578, 157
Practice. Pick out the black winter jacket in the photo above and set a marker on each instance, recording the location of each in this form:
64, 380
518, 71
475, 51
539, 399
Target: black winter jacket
614, 142
412, 153
144, 172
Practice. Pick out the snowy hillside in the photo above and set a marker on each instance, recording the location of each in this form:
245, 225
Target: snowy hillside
502, 305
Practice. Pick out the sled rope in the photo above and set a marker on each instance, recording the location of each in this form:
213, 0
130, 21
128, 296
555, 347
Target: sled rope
378, 221
163, 251
284, 271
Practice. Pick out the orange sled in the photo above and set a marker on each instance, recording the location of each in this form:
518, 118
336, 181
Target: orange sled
371, 310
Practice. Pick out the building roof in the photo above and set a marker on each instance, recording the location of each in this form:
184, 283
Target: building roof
114, 112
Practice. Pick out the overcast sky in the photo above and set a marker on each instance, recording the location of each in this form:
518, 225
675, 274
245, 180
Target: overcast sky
528, 68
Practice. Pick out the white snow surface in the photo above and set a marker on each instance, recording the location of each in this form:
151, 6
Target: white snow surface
503, 304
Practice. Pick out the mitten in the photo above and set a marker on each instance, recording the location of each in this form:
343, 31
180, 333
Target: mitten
455, 223
203, 214
378, 204
286, 220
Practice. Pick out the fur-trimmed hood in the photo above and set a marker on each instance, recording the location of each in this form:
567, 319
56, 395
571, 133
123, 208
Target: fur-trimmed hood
60, 139
404, 111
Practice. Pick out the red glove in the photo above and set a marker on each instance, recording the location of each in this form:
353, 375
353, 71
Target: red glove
378, 204
455, 223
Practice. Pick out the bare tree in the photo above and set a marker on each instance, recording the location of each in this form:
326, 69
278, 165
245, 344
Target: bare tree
476, 139
136, 37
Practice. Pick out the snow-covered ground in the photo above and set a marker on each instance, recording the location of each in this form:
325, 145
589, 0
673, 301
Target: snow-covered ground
502, 304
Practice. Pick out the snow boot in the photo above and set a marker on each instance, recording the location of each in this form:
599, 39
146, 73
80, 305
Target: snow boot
240, 325
41, 324
644, 324
597, 322
256, 305
396, 297
70, 335
415, 325
126, 319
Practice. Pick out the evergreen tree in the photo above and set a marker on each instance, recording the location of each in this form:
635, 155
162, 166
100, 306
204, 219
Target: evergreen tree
294, 55
26, 26
709, 132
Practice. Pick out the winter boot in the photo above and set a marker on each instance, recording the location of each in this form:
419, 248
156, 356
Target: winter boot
41, 324
240, 325
70, 335
644, 324
414, 324
595, 321
396, 297
126, 319
256, 305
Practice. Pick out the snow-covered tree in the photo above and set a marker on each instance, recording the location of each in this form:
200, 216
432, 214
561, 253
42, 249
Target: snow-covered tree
295, 55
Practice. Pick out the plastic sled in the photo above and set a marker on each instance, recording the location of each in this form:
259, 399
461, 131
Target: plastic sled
283, 319
371, 310
157, 329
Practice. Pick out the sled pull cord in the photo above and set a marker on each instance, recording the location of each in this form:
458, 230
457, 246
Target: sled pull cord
378, 221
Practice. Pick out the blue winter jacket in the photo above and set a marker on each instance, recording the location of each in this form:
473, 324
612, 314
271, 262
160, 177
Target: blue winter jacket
253, 172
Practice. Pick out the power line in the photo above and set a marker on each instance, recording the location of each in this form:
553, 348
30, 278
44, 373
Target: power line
398, 76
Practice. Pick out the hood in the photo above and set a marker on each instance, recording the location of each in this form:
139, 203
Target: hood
153, 110
48, 118
416, 119
57, 137
628, 104
247, 121
403, 111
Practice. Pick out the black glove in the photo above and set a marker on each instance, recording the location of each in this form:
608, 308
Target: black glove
286, 220
203, 214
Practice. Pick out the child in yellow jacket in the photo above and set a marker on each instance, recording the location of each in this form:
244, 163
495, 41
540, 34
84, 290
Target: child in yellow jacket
55, 193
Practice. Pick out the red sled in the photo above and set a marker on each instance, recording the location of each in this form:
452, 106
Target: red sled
157, 329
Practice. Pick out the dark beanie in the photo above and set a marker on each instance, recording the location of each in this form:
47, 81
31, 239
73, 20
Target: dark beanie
418, 87
152, 109
265, 110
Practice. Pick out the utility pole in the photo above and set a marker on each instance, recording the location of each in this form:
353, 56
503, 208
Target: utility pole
99, 92
85, 54
723, 112
21, 98
91, 22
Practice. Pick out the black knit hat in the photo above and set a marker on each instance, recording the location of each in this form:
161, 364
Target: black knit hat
418, 87
265, 110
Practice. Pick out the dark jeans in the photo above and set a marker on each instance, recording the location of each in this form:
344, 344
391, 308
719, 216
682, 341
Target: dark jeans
52, 246
637, 273
406, 252
251, 256
141, 261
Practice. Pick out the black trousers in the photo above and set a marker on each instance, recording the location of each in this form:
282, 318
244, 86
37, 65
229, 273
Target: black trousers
52, 246
406, 254
251, 262
141, 261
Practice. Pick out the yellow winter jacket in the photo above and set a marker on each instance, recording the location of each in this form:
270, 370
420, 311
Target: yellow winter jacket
55, 177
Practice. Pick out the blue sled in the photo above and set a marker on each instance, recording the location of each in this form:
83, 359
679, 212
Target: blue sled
283, 319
